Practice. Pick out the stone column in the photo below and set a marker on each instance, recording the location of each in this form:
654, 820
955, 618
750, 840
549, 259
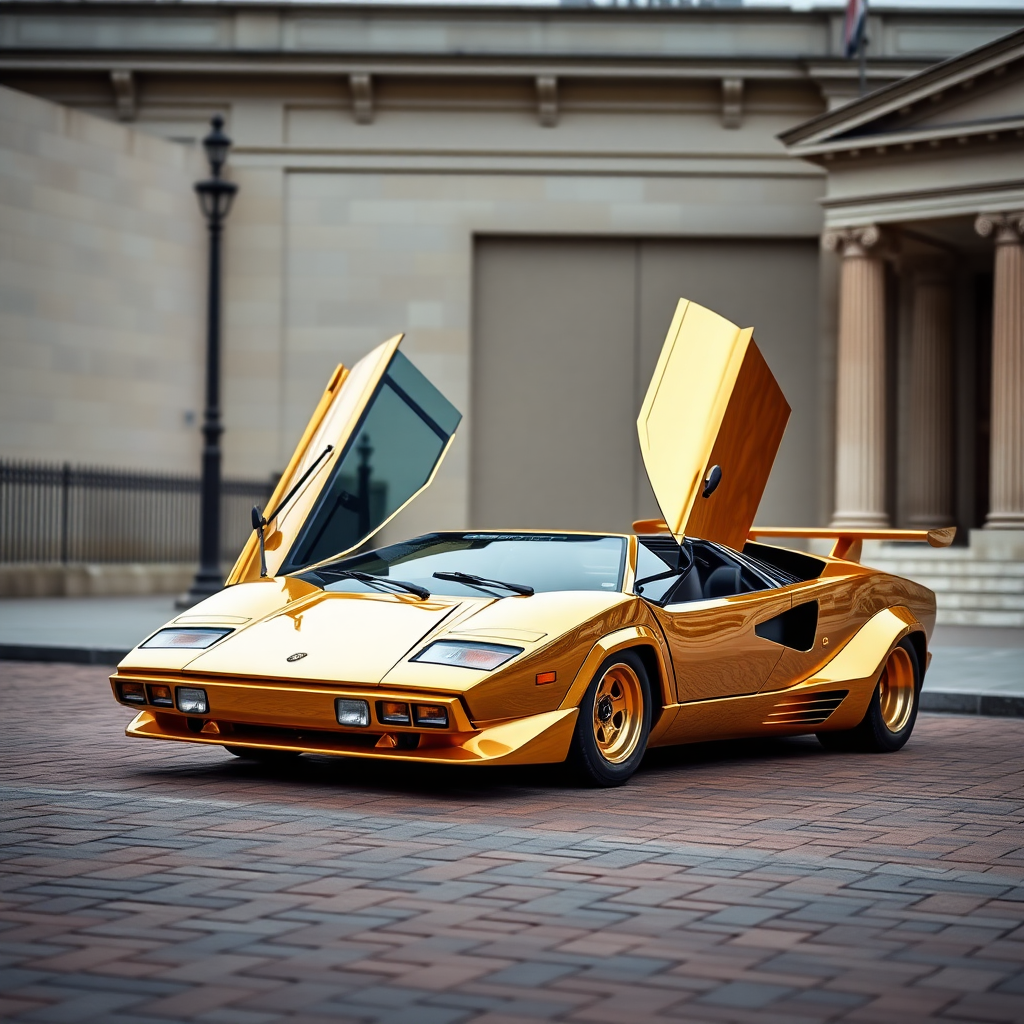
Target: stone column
860, 379
1006, 472
929, 474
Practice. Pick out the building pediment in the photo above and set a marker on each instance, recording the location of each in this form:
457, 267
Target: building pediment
976, 97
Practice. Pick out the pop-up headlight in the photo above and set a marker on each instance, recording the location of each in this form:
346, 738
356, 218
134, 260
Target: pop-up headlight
188, 638
464, 654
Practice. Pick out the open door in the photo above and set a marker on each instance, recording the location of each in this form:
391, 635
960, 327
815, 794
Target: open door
711, 402
388, 428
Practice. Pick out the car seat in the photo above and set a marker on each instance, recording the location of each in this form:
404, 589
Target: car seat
722, 582
688, 588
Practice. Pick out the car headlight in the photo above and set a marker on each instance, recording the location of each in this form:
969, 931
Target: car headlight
188, 638
463, 654
192, 700
352, 712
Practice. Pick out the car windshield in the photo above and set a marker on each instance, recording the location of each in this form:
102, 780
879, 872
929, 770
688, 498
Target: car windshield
544, 561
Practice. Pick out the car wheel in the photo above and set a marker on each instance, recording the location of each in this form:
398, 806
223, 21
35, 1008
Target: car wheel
891, 715
265, 756
614, 721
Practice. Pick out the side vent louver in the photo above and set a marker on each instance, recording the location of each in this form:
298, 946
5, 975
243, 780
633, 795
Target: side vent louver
806, 709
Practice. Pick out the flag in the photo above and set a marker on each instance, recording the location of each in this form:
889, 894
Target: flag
853, 26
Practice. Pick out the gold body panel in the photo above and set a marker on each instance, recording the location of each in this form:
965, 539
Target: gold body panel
332, 422
296, 648
712, 677
712, 401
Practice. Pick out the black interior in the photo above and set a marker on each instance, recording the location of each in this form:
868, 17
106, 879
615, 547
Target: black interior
800, 566
699, 571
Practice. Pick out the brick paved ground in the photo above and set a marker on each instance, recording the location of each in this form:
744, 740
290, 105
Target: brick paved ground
150, 882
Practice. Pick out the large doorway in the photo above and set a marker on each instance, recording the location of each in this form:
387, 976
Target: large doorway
565, 337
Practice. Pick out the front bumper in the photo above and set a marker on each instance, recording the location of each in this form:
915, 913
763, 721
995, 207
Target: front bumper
301, 719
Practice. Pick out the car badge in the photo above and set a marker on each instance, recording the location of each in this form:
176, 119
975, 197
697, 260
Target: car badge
297, 656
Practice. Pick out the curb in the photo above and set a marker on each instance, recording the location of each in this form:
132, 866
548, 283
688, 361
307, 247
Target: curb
988, 704
991, 704
63, 655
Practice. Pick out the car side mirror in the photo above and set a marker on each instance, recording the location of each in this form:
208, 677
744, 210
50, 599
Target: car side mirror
711, 481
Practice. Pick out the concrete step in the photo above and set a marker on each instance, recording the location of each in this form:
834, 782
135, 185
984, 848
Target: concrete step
911, 567
1000, 602
977, 585
967, 584
975, 617
968, 591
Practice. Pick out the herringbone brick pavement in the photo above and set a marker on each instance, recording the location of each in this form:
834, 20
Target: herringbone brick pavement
767, 882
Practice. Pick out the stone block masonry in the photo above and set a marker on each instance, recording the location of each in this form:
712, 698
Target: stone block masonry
101, 290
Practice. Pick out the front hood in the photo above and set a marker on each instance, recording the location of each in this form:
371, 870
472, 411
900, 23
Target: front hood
342, 638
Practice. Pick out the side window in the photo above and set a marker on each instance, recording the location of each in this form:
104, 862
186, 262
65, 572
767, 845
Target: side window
717, 572
655, 556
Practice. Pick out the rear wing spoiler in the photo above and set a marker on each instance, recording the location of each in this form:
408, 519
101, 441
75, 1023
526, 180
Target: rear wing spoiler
848, 543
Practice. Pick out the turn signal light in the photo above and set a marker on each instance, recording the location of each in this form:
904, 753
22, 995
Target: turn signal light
393, 712
133, 693
543, 678
161, 696
433, 715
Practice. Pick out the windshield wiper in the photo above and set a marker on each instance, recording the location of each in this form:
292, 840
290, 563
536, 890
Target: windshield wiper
260, 521
468, 577
367, 577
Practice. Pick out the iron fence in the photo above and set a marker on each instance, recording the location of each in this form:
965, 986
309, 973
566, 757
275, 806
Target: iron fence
65, 513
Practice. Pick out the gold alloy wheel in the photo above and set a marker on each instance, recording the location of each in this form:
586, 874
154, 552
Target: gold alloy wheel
896, 690
618, 713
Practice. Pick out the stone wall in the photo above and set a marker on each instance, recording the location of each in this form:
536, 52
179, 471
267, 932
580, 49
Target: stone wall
102, 285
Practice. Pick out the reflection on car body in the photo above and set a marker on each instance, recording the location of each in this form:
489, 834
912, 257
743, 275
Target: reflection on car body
538, 646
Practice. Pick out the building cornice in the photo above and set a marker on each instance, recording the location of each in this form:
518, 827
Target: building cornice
462, 33
844, 128
318, 65
933, 137
923, 203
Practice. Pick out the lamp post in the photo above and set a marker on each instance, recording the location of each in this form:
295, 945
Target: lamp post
215, 198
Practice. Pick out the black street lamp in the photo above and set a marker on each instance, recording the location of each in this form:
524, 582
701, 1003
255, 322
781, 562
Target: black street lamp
215, 197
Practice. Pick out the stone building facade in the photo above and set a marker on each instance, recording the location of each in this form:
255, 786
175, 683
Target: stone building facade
526, 191
924, 204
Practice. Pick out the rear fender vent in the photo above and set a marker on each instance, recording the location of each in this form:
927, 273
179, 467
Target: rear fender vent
806, 709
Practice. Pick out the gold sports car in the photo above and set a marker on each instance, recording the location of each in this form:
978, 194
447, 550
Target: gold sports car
478, 647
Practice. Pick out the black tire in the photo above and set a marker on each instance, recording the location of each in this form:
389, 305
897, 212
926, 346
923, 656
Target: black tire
890, 717
622, 725
263, 756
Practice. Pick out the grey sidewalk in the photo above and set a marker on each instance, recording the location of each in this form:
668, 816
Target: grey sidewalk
105, 622
973, 668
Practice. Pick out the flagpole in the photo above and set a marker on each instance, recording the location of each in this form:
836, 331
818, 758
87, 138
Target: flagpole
863, 48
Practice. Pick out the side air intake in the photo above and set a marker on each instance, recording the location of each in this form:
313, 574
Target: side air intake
808, 709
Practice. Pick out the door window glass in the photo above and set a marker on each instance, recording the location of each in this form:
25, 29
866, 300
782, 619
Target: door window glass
391, 455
